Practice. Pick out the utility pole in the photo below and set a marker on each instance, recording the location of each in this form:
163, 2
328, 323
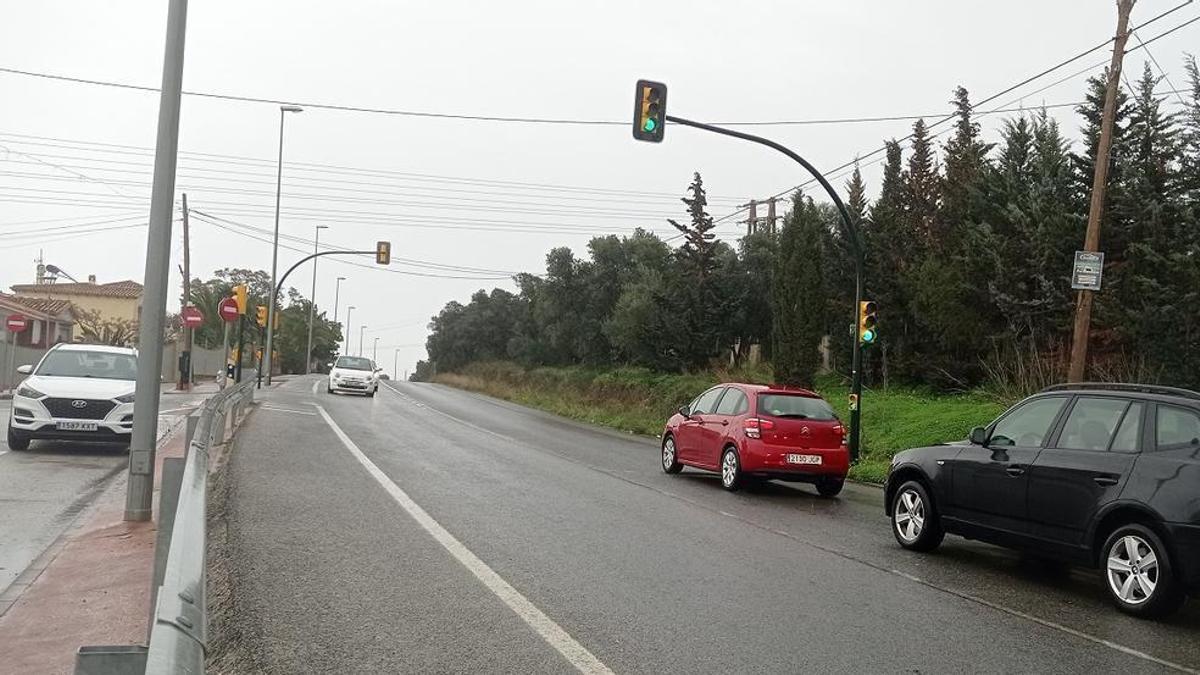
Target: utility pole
771, 214
140, 490
312, 301
752, 219
185, 333
1083, 302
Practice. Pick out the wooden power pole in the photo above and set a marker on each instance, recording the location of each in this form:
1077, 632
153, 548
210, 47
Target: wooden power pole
185, 333
1083, 303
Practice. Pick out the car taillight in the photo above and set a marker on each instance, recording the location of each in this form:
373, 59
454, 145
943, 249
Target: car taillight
841, 432
755, 426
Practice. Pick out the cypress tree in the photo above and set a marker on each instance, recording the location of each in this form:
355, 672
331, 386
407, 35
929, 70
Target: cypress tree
798, 294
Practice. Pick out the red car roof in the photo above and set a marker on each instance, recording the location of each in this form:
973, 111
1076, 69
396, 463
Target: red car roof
775, 389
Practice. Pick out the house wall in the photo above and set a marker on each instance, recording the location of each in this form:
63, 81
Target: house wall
106, 307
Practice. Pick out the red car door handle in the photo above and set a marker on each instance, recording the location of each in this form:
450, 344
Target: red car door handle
724, 423
1106, 480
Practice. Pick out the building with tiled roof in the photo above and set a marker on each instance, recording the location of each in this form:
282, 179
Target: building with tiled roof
117, 300
51, 320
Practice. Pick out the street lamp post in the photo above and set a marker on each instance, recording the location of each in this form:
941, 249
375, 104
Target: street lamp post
395, 364
312, 300
337, 291
375, 352
361, 329
283, 109
346, 337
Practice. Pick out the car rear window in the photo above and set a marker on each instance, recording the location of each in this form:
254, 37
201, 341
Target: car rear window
794, 405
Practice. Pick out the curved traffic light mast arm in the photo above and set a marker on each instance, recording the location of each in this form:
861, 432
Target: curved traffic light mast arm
852, 235
279, 286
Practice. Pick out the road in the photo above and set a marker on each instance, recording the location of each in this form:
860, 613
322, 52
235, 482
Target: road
45, 488
432, 530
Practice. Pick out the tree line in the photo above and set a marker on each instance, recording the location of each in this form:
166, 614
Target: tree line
969, 247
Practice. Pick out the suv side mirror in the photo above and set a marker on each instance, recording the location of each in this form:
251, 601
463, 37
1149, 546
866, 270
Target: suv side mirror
978, 436
25, 370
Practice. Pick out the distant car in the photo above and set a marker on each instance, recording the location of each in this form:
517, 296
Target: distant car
353, 373
76, 392
756, 431
1099, 475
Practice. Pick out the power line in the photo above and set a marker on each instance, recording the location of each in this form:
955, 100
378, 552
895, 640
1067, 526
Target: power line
993, 97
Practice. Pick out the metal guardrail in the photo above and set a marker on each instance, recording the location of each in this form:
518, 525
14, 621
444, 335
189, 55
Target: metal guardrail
179, 634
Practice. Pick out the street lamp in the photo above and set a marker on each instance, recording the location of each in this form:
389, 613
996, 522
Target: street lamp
395, 363
337, 290
312, 300
58, 271
275, 244
375, 352
361, 330
346, 337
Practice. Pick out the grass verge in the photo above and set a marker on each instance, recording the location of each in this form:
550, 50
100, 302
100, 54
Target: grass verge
640, 401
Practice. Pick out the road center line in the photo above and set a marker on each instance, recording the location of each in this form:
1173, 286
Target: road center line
551, 632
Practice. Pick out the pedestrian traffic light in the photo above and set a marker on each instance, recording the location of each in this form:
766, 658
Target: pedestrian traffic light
868, 331
239, 296
649, 111
262, 316
383, 252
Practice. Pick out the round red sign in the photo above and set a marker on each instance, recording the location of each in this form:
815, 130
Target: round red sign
192, 318
228, 309
16, 323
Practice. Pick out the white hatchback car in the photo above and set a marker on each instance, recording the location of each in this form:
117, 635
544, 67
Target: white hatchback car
353, 373
75, 393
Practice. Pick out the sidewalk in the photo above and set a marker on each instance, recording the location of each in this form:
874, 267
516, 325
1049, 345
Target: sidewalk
92, 587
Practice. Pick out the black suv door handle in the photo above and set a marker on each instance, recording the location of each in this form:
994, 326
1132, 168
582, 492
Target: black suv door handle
1015, 470
1106, 480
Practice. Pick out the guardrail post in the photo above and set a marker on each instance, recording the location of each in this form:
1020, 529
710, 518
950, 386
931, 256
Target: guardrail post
168, 504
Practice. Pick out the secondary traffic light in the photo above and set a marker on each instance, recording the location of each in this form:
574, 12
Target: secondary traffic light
262, 316
383, 252
868, 322
239, 296
649, 111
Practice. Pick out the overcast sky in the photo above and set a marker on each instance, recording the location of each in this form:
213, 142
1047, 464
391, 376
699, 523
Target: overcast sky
433, 187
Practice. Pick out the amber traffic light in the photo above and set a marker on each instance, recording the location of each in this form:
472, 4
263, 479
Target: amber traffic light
383, 252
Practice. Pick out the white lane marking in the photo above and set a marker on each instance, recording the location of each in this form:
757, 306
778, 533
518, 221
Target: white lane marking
862, 561
288, 410
3, 452
315, 385
551, 632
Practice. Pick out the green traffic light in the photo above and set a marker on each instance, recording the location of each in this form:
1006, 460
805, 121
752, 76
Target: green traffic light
649, 124
868, 336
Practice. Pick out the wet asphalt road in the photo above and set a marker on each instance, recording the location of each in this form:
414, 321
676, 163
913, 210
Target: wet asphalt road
45, 488
648, 572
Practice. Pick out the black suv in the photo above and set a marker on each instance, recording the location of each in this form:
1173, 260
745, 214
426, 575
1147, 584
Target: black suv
1096, 474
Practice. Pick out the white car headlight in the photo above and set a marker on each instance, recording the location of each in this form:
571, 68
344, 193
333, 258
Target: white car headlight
29, 392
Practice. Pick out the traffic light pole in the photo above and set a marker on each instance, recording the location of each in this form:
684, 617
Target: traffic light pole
279, 286
852, 235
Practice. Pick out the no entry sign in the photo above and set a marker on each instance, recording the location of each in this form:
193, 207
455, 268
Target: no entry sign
228, 309
15, 323
192, 318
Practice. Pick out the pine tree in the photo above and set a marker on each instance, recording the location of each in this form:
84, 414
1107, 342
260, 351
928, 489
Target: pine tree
966, 161
798, 294
699, 247
921, 190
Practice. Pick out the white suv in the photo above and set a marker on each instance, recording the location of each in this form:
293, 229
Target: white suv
77, 392
353, 373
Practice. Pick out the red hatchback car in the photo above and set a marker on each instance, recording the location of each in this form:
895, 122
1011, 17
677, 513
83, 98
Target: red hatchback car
756, 431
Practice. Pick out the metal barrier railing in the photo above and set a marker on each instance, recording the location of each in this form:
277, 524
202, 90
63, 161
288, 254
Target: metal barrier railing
179, 633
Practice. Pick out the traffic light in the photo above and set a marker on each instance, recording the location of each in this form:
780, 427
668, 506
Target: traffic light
262, 316
649, 111
239, 296
383, 252
868, 322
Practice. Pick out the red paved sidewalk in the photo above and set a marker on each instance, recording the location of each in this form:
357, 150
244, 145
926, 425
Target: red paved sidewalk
90, 588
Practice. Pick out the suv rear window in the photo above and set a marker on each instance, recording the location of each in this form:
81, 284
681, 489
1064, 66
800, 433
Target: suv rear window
794, 405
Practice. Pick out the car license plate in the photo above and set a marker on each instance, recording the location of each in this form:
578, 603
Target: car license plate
803, 459
76, 426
